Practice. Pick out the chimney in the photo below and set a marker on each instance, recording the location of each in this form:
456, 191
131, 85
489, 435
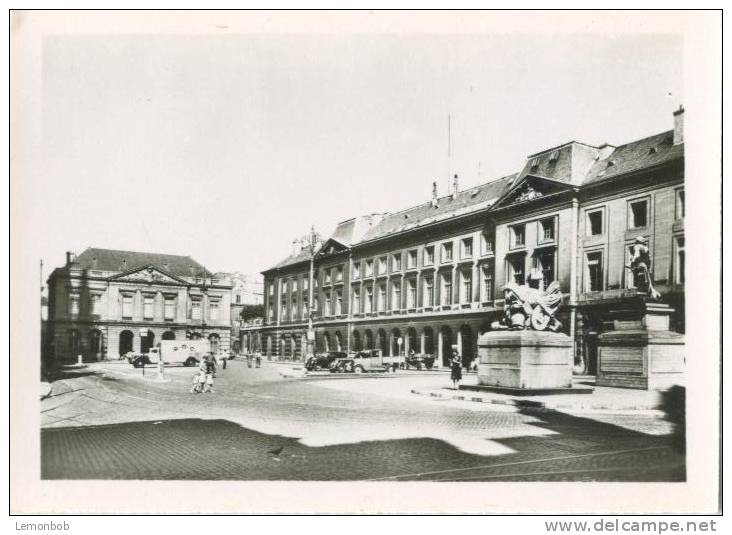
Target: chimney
434, 194
679, 126
295, 247
70, 257
454, 187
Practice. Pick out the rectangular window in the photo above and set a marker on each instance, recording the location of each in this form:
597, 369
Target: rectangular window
446, 297
283, 310
412, 259
356, 301
516, 270
382, 297
594, 223
518, 235
467, 247
148, 307
411, 293
339, 274
429, 294
680, 267
127, 306
545, 264
169, 309
305, 311
369, 268
487, 283
338, 302
369, 299
294, 308
356, 270
396, 262
396, 296
546, 227
326, 303
594, 272
486, 242
271, 289
238, 299
466, 295
195, 310
96, 304
638, 214
382, 265
680, 204
305, 284
327, 276
429, 255
213, 311
73, 304
447, 252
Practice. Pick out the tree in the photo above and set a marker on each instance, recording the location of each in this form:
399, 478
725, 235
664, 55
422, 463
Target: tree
249, 312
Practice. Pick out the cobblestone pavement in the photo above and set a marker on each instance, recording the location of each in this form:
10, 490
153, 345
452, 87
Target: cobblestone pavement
107, 422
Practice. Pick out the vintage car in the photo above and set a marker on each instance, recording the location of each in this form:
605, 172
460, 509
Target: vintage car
324, 361
420, 361
360, 362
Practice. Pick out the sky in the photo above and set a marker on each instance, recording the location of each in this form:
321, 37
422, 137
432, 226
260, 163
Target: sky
227, 148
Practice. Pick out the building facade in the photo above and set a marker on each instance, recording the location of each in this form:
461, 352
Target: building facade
104, 303
432, 276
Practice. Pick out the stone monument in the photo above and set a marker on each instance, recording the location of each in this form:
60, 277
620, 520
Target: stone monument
639, 351
524, 353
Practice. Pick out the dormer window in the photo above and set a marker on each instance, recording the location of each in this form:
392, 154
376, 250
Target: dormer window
554, 156
652, 150
534, 165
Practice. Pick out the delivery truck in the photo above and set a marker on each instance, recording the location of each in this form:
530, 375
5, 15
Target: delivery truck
185, 352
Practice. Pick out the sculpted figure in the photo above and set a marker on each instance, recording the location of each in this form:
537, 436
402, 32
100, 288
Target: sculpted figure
530, 308
640, 266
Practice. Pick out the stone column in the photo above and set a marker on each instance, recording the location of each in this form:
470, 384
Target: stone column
421, 342
439, 347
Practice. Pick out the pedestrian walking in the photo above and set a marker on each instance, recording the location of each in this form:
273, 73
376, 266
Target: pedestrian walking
224, 358
456, 365
249, 360
258, 359
210, 368
199, 380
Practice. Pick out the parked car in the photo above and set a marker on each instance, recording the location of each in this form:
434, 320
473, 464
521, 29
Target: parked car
420, 361
360, 362
324, 361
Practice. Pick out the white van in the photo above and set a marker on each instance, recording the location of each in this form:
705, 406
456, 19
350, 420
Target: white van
186, 352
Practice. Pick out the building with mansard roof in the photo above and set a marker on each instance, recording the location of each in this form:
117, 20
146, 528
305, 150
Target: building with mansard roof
104, 303
431, 276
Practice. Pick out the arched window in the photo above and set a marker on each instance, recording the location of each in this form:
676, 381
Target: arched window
125, 342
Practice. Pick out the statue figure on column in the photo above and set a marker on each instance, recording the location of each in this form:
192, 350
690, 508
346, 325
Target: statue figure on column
640, 266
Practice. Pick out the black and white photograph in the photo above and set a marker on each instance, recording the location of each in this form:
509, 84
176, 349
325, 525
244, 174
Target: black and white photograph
398, 251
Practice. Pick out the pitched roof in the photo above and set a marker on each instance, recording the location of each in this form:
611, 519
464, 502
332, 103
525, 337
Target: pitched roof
302, 256
640, 154
467, 201
114, 260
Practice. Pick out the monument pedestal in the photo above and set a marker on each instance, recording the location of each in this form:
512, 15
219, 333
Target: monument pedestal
526, 362
640, 352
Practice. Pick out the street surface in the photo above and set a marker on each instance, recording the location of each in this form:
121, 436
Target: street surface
107, 422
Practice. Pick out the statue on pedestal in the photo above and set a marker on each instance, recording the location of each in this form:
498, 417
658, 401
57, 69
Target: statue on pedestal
640, 266
525, 307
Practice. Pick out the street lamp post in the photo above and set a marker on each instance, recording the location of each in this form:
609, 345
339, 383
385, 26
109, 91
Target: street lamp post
311, 309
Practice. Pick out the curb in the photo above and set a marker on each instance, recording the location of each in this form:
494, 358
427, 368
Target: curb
543, 406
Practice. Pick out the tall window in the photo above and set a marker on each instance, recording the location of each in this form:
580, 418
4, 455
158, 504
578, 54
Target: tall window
412, 259
545, 263
680, 204
369, 299
305, 311
429, 255
396, 295
382, 265
327, 276
326, 303
466, 292
338, 302
213, 311
96, 304
466, 244
283, 309
356, 300
381, 304
411, 293
446, 294
638, 214
546, 227
594, 223
518, 235
339, 274
487, 283
148, 307
369, 268
594, 272
447, 252
195, 310
169, 308
396, 262
516, 270
428, 298
294, 308
356, 270
486, 242
238, 299
680, 267
74, 304
127, 306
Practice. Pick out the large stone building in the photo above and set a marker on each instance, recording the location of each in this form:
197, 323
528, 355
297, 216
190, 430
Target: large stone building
104, 303
432, 275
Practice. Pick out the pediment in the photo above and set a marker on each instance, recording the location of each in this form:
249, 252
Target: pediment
331, 247
529, 189
148, 274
